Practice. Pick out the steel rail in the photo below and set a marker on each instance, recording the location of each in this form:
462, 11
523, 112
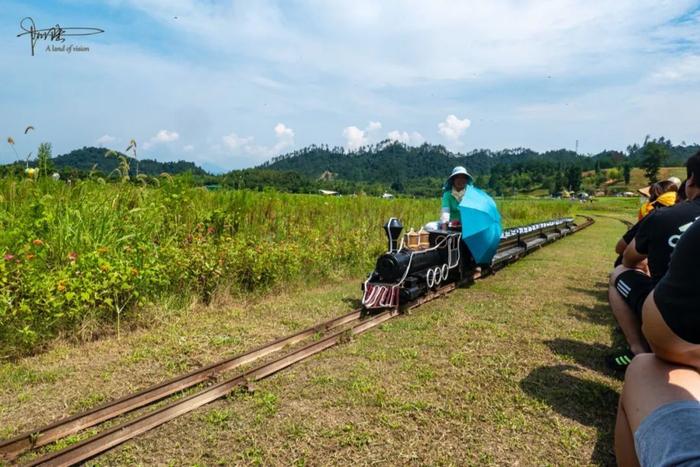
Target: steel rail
112, 437
16, 446
103, 441
629, 224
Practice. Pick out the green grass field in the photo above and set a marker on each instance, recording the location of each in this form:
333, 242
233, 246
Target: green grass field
507, 371
81, 259
638, 180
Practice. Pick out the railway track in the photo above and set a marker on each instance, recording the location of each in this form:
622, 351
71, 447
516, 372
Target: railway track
627, 223
515, 244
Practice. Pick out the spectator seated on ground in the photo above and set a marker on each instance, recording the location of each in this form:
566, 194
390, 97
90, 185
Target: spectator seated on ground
671, 313
658, 418
654, 242
660, 194
629, 235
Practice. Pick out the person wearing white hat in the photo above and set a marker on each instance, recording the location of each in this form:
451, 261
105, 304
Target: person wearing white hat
453, 192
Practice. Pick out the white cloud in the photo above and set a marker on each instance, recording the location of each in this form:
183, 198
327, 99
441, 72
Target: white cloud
452, 128
413, 139
440, 39
246, 145
235, 142
188, 148
678, 70
373, 126
330, 64
284, 133
285, 140
163, 136
354, 138
105, 139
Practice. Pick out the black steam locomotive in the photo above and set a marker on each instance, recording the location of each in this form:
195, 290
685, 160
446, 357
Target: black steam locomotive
407, 271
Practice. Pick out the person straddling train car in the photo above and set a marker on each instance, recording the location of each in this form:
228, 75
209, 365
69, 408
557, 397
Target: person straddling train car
452, 193
654, 242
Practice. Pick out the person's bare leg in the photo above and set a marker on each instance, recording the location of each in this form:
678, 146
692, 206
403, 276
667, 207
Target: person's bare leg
629, 323
649, 384
624, 439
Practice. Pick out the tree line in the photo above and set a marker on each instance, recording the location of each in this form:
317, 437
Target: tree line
387, 166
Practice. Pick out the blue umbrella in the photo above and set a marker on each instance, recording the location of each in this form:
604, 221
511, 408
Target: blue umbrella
481, 224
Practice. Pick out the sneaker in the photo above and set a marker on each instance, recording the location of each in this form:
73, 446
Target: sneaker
619, 361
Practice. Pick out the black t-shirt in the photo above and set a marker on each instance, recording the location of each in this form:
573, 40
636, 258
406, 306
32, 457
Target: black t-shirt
660, 231
629, 235
627, 238
677, 295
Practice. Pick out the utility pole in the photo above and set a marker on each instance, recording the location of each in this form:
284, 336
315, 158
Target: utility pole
576, 151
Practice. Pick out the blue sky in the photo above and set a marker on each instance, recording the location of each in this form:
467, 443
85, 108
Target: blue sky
232, 83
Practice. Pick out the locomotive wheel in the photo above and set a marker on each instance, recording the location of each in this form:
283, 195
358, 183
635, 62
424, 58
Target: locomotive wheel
438, 275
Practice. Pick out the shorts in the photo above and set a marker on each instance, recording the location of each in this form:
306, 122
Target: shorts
669, 435
634, 286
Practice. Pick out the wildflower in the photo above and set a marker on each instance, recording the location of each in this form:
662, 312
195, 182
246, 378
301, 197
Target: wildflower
31, 256
61, 287
9, 257
211, 230
37, 242
72, 256
104, 267
134, 272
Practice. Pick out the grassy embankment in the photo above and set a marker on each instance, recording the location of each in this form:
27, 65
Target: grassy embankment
638, 180
80, 259
509, 370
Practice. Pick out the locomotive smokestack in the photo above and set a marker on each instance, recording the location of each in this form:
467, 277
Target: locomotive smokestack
393, 230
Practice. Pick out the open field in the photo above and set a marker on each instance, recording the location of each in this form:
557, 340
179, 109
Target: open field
638, 180
509, 370
81, 259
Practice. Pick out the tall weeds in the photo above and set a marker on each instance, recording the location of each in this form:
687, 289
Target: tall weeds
102, 250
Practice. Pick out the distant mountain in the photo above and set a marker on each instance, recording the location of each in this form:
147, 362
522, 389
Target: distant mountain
213, 168
388, 161
88, 157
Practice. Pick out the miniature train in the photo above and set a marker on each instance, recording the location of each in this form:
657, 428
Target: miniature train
418, 263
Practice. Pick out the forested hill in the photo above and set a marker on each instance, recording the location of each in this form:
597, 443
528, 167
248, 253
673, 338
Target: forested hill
388, 161
88, 157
